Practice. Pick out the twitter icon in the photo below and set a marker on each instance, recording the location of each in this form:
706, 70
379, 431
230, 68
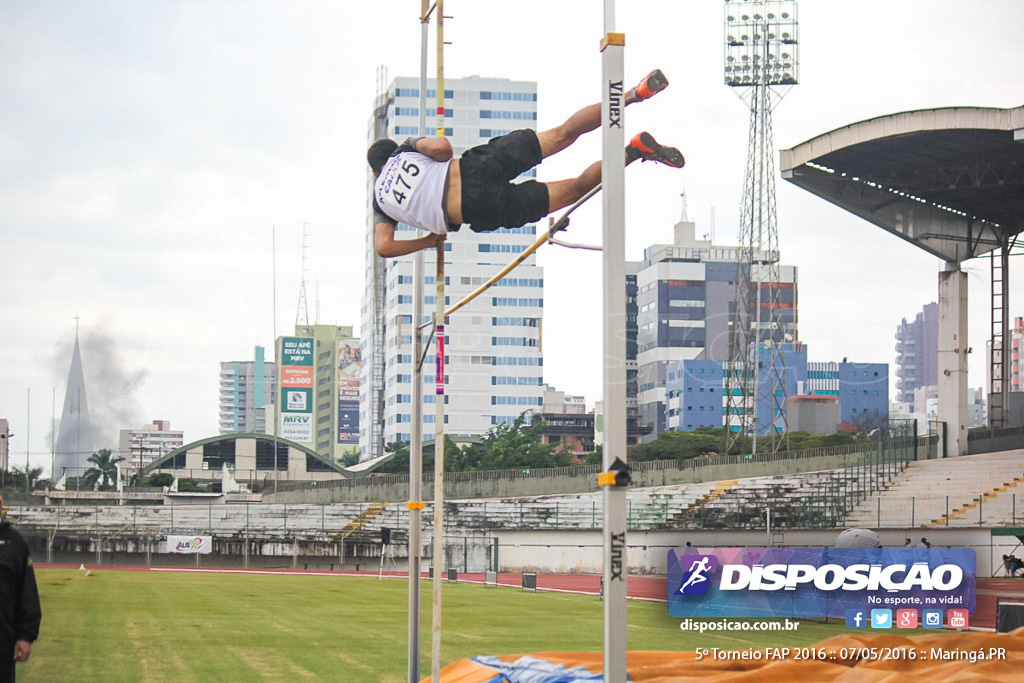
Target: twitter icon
881, 618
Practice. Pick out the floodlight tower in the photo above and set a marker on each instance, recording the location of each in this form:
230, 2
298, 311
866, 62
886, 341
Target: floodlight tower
761, 62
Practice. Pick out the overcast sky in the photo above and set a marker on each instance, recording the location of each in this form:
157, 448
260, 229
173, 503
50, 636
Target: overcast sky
149, 150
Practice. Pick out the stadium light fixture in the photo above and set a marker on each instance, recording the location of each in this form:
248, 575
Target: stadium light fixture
763, 37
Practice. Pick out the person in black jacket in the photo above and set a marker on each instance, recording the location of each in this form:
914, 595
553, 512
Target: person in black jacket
20, 613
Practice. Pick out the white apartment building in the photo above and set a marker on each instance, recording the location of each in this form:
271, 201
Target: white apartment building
246, 392
141, 446
494, 366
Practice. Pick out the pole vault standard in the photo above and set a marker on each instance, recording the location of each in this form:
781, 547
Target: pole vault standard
437, 556
415, 502
615, 475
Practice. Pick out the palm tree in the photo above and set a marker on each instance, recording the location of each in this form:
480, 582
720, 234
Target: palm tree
105, 467
16, 478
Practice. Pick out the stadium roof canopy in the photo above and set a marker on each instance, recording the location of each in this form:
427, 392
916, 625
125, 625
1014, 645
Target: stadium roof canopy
949, 180
359, 470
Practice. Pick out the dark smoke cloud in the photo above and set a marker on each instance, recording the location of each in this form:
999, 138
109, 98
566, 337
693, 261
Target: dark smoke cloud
112, 386
110, 394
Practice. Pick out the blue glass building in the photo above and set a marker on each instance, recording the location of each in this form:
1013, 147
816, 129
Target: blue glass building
696, 398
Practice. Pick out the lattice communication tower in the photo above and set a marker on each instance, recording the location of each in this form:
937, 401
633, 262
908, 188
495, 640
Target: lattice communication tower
762, 64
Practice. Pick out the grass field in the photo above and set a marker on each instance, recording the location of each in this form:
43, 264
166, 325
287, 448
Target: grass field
171, 627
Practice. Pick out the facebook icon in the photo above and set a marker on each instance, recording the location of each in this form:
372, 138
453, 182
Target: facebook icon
855, 618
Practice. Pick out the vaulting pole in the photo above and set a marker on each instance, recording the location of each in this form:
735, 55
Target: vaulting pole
437, 560
613, 255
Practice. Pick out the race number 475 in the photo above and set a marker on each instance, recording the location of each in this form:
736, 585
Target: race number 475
408, 171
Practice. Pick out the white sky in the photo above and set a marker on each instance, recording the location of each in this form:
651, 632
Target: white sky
149, 148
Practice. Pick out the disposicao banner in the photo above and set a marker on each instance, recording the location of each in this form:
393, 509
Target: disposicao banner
818, 582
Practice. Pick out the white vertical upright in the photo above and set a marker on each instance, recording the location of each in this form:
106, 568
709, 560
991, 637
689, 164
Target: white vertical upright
437, 560
612, 181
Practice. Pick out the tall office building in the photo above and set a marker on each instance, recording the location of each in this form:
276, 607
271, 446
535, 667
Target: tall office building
686, 293
493, 358
917, 353
247, 388
319, 369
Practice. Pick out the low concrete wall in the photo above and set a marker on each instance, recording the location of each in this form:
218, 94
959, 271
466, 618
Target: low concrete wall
647, 551
992, 440
266, 551
545, 551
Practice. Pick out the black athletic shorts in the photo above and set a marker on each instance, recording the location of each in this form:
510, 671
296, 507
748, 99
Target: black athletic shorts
489, 200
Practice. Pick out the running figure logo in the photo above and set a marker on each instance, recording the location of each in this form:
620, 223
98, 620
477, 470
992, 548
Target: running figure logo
696, 581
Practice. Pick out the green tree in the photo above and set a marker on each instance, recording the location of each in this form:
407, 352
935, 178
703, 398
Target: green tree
802, 441
16, 479
349, 459
399, 464
189, 486
160, 479
514, 446
506, 446
685, 445
706, 441
104, 468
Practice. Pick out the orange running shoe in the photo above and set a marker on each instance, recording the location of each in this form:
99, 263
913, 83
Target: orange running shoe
643, 146
652, 83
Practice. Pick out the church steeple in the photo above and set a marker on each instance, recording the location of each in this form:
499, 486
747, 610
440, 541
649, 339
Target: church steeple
76, 434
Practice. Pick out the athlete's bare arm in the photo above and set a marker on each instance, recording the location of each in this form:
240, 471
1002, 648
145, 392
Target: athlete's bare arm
438, 149
387, 246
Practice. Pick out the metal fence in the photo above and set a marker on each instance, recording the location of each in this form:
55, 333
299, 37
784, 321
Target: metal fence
586, 471
942, 511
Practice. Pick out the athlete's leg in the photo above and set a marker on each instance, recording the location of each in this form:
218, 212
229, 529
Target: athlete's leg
643, 146
589, 118
562, 193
